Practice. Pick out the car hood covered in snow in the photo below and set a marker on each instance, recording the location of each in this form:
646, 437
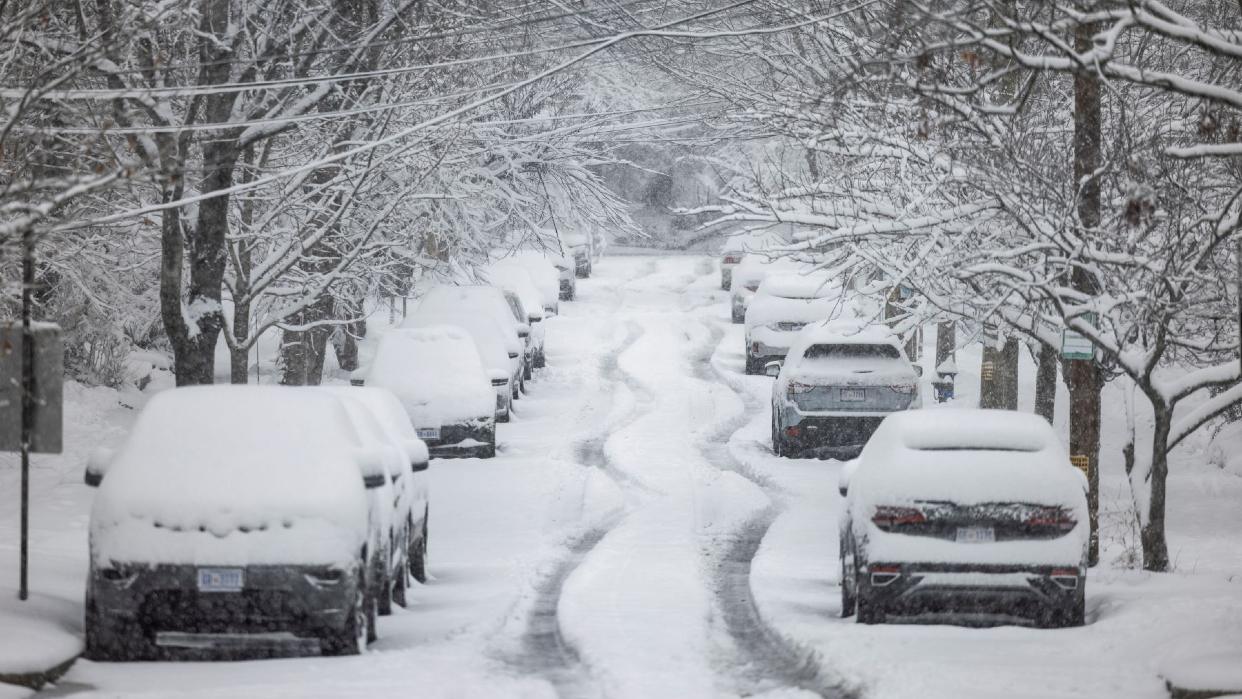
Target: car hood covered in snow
234, 475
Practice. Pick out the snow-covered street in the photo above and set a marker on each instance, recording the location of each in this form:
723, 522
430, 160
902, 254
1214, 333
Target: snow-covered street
636, 537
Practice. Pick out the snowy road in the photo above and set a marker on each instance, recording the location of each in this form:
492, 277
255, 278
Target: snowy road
635, 537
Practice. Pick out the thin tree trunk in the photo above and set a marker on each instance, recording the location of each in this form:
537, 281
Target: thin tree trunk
1046, 382
1155, 547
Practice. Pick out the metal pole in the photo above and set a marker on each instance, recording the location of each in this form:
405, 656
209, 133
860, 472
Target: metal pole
28, 404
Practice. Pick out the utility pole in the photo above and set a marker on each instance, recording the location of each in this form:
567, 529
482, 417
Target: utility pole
1083, 376
28, 404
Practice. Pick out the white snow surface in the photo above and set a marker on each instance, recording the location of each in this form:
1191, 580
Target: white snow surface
489, 338
634, 465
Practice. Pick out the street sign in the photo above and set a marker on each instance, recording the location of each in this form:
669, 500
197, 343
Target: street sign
1076, 346
45, 434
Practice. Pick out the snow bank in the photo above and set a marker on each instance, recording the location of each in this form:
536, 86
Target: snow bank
38, 634
1225, 451
436, 373
233, 475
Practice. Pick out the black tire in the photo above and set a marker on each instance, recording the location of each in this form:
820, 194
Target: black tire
867, 610
114, 639
848, 599
541, 360
418, 554
402, 580
383, 585
353, 637
738, 319
1066, 618
372, 611
753, 366
528, 372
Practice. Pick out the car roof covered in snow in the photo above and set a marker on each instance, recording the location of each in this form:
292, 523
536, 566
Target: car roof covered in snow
517, 280
222, 458
436, 373
966, 456
754, 267
798, 285
389, 414
484, 329
470, 300
541, 271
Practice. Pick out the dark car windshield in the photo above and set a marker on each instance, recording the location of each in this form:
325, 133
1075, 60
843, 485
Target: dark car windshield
851, 351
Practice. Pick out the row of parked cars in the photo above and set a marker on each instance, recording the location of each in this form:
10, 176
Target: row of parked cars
271, 520
949, 513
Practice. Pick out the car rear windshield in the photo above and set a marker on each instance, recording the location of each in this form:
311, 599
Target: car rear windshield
852, 351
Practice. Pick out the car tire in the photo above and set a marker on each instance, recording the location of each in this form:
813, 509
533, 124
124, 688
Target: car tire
418, 555
115, 640
352, 638
1066, 617
753, 366
401, 582
867, 611
541, 360
383, 586
738, 318
849, 600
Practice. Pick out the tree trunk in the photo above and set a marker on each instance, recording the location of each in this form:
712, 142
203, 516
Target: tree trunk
1155, 547
1083, 377
302, 351
1046, 382
946, 342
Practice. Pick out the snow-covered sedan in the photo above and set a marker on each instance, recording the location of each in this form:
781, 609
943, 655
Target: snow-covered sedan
784, 304
478, 300
517, 282
749, 274
438, 376
964, 514
234, 518
837, 383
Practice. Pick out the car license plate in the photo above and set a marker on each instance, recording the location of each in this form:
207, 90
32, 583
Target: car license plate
220, 579
975, 535
853, 394
429, 433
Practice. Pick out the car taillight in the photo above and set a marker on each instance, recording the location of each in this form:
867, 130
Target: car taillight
1065, 578
326, 578
888, 518
754, 348
794, 388
732, 259
794, 431
882, 575
121, 576
1053, 517
905, 389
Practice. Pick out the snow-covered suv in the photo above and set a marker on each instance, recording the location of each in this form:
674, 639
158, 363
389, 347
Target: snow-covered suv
965, 513
233, 518
837, 383
784, 304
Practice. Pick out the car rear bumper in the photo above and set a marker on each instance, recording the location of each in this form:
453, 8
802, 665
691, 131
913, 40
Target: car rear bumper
461, 438
838, 436
955, 590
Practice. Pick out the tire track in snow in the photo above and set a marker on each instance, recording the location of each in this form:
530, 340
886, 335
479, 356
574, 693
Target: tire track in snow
762, 659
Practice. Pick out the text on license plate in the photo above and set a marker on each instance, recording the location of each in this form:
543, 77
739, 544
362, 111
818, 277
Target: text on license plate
975, 535
853, 394
220, 579
429, 433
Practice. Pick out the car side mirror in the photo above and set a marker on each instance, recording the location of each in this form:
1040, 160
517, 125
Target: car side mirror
358, 377
847, 472
97, 465
371, 462
532, 319
523, 329
420, 459
918, 370
772, 369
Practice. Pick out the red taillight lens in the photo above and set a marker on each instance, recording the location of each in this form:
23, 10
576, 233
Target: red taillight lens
754, 348
732, 259
1054, 517
794, 431
887, 518
904, 389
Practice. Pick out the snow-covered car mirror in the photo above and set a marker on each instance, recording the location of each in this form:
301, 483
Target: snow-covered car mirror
523, 329
772, 369
417, 449
358, 377
847, 472
532, 318
918, 370
372, 462
97, 465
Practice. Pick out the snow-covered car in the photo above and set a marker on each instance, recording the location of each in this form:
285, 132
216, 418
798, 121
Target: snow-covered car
729, 258
749, 274
578, 247
526, 303
379, 418
964, 513
542, 273
487, 301
233, 518
836, 385
442, 383
503, 367
783, 305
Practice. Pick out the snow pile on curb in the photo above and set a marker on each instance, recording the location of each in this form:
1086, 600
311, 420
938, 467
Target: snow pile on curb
1217, 672
39, 635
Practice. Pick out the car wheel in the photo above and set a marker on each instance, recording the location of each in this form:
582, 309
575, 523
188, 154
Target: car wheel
384, 583
738, 317
418, 556
752, 366
352, 638
402, 580
848, 599
541, 361
868, 611
117, 639
1067, 617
